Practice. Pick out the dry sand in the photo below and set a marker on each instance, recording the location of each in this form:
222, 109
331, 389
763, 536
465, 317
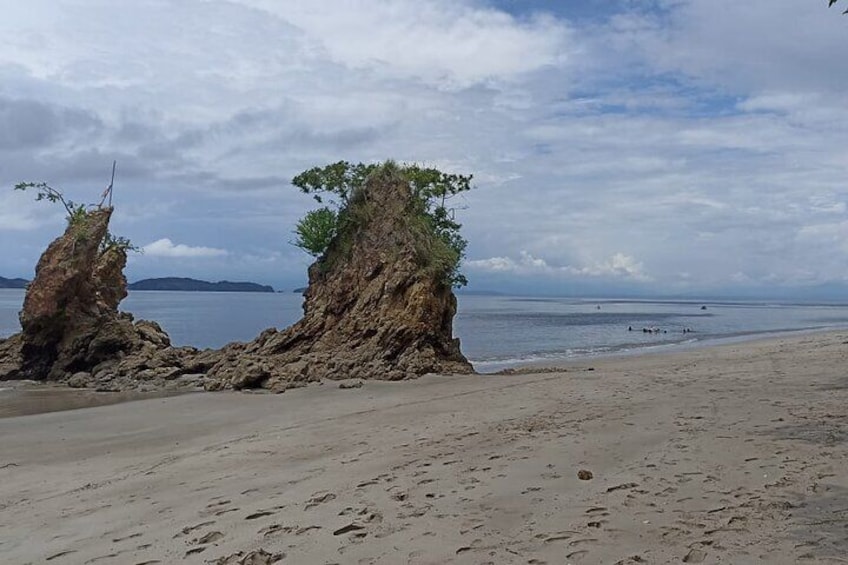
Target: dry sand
732, 454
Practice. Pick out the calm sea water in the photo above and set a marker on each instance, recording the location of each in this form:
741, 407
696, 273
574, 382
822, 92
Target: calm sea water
496, 331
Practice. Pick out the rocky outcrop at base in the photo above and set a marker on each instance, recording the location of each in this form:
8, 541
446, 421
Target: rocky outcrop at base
72, 331
377, 307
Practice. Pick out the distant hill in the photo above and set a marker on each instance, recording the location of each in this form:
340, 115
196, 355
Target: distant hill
181, 283
13, 283
480, 292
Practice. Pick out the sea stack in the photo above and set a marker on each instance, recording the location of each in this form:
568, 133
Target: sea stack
379, 304
72, 331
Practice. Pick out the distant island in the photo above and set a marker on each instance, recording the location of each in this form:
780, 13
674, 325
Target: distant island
181, 283
13, 283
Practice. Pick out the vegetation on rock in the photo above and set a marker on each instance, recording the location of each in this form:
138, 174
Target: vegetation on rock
78, 214
326, 233
379, 304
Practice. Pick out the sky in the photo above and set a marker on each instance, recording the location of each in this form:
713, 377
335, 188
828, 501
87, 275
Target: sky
618, 147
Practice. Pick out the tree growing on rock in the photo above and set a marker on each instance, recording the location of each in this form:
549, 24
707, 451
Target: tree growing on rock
339, 184
380, 303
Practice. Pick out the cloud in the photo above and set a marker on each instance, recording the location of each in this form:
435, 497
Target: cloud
444, 43
619, 266
14, 221
166, 248
690, 135
29, 124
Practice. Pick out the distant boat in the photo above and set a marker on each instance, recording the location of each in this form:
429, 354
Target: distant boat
703, 307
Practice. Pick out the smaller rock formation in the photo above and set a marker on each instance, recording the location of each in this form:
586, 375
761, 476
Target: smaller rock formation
379, 304
72, 330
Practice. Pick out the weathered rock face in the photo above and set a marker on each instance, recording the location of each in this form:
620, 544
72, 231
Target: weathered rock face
375, 308
62, 294
378, 306
71, 328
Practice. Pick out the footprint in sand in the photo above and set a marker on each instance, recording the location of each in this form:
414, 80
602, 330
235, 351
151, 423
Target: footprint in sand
60, 554
695, 555
319, 498
188, 529
130, 536
211, 537
260, 514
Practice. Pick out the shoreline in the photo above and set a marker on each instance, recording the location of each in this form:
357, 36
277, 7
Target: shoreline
731, 454
690, 344
24, 398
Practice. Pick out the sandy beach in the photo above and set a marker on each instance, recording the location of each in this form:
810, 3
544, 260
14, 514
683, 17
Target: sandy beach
729, 454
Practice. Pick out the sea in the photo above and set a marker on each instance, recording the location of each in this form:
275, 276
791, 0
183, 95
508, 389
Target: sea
496, 332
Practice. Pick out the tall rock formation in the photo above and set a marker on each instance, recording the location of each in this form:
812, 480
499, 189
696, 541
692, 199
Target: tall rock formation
379, 304
72, 330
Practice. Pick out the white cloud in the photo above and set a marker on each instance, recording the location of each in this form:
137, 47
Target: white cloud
166, 248
695, 138
444, 42
619, 266
19, 212
11, 221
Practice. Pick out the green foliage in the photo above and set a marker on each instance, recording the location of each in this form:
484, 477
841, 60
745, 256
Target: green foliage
77, 214
338, 179
123, 244
316, 230
341, 182
47, 192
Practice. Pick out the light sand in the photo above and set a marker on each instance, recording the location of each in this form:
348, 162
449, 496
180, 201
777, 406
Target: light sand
733, 454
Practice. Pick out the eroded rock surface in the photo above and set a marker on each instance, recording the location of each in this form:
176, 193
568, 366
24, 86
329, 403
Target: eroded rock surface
378, 306
72, 331
375, 307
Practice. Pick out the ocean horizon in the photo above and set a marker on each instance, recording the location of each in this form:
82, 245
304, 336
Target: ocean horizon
496, 331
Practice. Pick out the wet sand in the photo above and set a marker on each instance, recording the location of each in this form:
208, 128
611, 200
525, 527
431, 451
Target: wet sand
22, 398
732, 454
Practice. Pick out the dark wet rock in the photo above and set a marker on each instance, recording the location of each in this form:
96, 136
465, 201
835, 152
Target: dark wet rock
10, 358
